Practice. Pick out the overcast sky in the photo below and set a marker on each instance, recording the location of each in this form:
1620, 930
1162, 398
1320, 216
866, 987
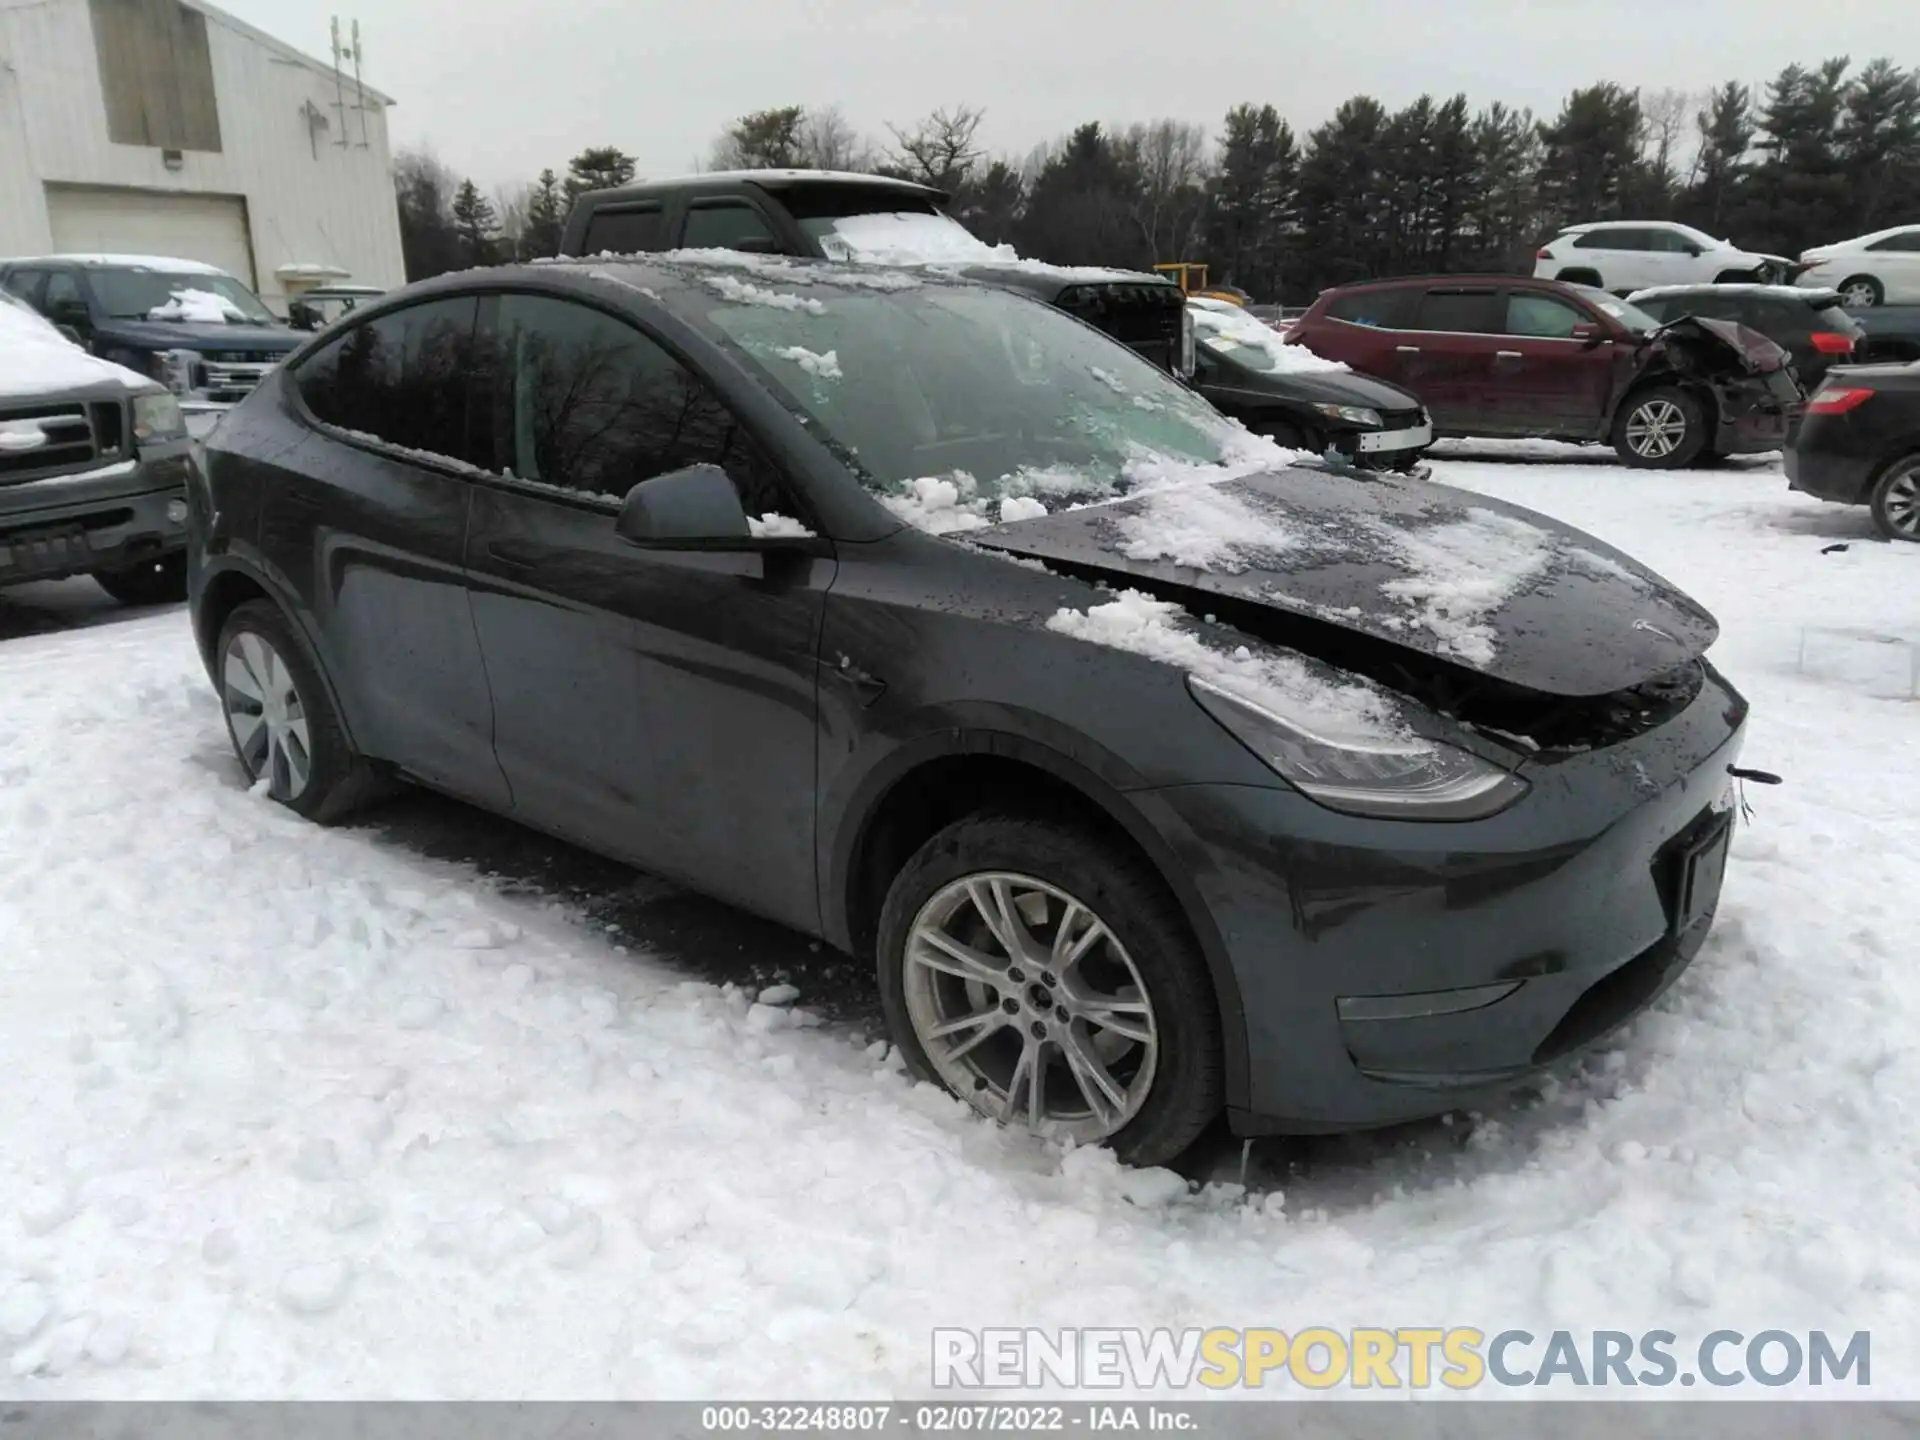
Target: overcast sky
501, 88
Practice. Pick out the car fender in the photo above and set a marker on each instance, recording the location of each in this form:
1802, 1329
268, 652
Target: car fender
241, 557
845, 821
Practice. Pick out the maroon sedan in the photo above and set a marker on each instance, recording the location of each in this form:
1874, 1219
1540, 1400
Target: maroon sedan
1509, 356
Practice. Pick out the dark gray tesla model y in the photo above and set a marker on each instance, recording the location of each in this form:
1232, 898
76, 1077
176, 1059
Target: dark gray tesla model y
1155, 777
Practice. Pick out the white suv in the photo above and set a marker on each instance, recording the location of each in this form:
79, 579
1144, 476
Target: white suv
1878, 269
1627, 255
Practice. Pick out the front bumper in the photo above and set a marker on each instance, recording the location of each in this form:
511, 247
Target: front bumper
102, 519
1390, 971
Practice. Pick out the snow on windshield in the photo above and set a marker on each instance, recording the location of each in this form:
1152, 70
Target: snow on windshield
1257, 346
905, 237
198, 307
36, 359
1332, 704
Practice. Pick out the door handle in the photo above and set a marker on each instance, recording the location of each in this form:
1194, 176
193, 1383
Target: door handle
1408, 349
1509, 355
510, 555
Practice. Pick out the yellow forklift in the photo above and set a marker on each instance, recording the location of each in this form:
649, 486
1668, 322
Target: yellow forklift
1191, 276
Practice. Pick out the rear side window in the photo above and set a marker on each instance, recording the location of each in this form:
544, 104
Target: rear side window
1542, 316
404, 378
1386, 309
1614, 240
591, 404
1467, 312
1907, 242
630, 230
727, 225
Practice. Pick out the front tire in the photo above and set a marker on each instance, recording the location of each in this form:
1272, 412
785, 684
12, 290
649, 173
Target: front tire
161, 581
281, 719
1043, 975
1896, 501
1664, 428
1862, 292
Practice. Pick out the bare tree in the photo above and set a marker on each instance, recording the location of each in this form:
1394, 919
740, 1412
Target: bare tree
1671, 147
510, 204
829, 142
1172, 162
940, 150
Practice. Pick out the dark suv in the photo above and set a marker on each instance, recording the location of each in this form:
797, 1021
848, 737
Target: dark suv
1808, 324
93, 468
825, 215
195, 329
1506, 355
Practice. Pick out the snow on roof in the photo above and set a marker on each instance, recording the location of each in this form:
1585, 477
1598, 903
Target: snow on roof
762, 177
141, 262
1805, 294
36, 359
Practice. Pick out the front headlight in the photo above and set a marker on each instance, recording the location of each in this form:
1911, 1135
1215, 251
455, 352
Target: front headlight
1356, 414
156, 418
1405, 778
1188, 360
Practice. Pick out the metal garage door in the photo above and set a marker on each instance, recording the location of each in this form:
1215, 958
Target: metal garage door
209, 228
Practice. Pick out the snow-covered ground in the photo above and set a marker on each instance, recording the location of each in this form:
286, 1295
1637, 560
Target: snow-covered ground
291, 1112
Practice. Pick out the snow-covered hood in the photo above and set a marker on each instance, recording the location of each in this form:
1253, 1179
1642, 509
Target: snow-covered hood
1453, 575
190, 335
37, 361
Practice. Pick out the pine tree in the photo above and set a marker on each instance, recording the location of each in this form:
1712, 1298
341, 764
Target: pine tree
1080, 209
1590, 166
605, 167
475, 222
1503, 222
546, 214
1342, 204
1878, 143
1727, 133
764, 140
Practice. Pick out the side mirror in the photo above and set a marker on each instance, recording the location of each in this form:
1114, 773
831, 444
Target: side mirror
691, 509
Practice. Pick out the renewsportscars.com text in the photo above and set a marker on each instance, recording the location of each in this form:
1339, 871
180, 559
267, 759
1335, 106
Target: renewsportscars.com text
1416, 1358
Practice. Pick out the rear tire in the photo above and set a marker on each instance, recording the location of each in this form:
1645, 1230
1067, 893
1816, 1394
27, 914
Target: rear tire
162, 581
281, 719
1162, 1070
1862, 292
1896, 501
1663, 428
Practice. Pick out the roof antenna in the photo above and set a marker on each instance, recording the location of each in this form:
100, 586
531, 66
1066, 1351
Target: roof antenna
339, 84
360, 89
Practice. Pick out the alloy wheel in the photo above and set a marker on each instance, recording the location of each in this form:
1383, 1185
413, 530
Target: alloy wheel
1029, 1008
1859, 296
1656, 429
266, 715
1900, 503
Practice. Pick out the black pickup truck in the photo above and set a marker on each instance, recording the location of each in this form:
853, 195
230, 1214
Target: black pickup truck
826, 215
94, 461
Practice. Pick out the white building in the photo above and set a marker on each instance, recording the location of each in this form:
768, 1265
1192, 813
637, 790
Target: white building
167, 127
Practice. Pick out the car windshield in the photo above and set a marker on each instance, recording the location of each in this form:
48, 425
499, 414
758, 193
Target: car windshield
1631, 316
956, 397
896, 235
137, 294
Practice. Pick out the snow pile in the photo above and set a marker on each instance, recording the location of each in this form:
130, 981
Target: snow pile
773, 526
1464, 571
36, 360
742, 292
1227, 328
1332, 705
1806, 295
198, 307
897, 238
1207, 527
941, 504
822, 365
